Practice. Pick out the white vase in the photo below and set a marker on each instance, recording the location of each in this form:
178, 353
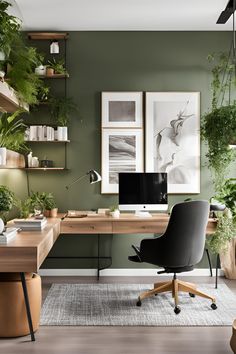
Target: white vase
2, 226
65, 133
3, 156
40, 70
60, 133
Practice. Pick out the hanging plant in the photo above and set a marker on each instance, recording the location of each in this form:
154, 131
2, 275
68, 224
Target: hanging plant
218, 127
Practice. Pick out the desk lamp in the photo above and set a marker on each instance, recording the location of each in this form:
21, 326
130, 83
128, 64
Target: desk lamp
94, 177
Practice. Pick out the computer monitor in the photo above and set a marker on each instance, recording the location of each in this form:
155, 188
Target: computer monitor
143, 191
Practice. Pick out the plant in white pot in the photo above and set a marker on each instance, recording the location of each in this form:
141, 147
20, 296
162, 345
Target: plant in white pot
12, 135
61, 108
114, 211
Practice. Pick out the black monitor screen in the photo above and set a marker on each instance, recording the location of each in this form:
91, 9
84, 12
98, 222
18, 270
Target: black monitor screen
142, 188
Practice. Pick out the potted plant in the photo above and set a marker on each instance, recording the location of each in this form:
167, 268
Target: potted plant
223, 241
25, 208
12, 136
218, 126
44, 203
7, 201
114, 211
61, 108
49, 205
57, 67
40, 68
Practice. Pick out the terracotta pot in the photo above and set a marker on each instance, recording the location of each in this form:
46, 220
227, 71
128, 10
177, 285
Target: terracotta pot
13, 317
47, 213
53, 213
49, 71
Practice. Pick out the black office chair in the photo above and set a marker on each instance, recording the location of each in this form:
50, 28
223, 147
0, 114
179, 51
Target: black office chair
178, 250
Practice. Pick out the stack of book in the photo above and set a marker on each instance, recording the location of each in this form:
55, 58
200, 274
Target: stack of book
30, 224
8, 235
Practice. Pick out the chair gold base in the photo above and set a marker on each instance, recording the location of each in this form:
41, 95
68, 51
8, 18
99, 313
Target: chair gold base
175, 286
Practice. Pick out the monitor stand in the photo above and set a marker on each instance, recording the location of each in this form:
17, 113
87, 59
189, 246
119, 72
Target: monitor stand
142, 214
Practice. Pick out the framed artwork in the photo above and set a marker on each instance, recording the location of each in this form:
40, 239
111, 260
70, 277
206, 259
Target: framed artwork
122, 110
122, 151
173, 139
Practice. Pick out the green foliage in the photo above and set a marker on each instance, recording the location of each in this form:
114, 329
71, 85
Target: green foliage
225, 231
43, 93
58, 66
227, 196
24, 207
43, 200
9, 29
12, 132
218, 129
61, 108
22, 78
7, 200
113, 208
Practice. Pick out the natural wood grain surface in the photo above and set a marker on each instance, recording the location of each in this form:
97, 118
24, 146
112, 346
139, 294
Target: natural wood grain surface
125, 224
27, 251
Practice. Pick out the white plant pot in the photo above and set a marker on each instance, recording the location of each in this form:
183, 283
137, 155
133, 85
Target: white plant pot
2, 226
115, 214
40, 70
62, 133
3, 156
2, 55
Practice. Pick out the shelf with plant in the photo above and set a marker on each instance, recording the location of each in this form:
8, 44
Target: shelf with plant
12, 144
18, 61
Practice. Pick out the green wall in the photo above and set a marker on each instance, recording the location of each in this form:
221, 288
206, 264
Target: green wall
115, 61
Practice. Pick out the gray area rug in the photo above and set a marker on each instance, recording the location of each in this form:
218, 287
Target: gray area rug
115, 305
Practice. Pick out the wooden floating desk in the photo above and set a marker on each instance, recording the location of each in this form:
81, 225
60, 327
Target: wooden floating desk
125, 224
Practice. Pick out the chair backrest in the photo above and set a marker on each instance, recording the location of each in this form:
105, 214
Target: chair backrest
184, 239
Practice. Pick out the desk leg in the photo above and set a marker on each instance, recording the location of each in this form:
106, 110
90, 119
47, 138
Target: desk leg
98, 257
27, 306
217, 266
209, 261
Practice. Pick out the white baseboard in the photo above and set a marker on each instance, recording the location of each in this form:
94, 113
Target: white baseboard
121, 272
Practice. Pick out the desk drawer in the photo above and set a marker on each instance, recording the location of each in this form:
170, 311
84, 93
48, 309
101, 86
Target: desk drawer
138, 227
81, 227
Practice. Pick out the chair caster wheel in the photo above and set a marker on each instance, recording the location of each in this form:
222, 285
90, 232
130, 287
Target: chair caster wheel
177, 310
213, 306
139, 303
192, 295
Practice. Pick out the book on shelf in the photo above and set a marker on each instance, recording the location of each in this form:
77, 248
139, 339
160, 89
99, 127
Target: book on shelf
8, 235
30, 224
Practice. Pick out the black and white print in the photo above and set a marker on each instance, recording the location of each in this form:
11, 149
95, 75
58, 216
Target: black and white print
122, 110
172, 139
122, 151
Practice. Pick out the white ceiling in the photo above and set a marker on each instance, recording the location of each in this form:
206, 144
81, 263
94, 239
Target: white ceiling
122, 15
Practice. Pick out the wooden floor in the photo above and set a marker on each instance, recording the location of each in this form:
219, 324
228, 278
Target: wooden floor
122, 340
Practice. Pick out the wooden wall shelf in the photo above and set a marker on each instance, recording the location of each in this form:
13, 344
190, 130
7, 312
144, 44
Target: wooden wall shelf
46, 168
9, 101
48, 141
47, 35
54, 76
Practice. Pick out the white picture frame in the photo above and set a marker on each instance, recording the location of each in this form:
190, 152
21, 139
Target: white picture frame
122, 151
173, 139
122, 109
